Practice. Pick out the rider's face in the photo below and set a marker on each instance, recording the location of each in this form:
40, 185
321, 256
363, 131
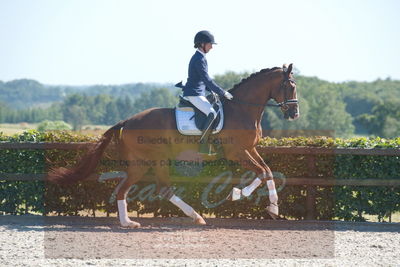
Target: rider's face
208, 47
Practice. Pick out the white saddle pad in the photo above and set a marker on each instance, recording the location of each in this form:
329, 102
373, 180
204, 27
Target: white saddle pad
186, 126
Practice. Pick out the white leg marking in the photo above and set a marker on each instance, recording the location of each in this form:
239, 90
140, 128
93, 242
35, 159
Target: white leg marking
123, 215
273, 195
188, 210
250, 188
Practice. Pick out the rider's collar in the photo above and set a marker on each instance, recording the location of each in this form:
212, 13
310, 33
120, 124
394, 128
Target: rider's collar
204, 54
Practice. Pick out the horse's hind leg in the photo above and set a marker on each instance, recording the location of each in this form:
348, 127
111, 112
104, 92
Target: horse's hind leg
134, 175
188, 210
162, 174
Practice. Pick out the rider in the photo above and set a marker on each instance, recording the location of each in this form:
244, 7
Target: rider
199, 81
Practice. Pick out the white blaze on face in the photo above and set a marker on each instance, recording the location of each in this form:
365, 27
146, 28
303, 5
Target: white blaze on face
298, 107
298, 114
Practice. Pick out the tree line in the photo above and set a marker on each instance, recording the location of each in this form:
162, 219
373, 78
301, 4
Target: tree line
26, 93
79, 109
347, 108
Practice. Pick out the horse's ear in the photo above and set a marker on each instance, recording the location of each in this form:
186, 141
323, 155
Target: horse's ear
284, 67
290, 68
287, 70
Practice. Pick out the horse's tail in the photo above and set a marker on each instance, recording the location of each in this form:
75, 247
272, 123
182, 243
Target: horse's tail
87, 164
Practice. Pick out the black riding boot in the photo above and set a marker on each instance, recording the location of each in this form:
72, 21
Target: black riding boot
207, 129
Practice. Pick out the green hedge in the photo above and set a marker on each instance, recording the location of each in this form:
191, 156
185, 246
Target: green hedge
346, 202
339, 202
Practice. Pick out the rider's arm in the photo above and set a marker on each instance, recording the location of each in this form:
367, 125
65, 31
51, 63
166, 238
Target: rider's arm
201, 68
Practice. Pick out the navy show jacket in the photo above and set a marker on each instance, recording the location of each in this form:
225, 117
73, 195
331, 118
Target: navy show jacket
198, 79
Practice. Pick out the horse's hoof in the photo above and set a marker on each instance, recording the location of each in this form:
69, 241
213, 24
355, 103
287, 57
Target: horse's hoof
273, 211
130, 224
235, 194
199, 220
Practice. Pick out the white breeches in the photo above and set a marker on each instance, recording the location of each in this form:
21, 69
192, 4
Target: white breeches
202, 104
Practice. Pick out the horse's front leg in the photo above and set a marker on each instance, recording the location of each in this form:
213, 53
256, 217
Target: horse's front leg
248, 162
256, 163
272, 209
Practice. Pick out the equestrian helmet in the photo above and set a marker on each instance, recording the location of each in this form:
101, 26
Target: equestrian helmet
204, 37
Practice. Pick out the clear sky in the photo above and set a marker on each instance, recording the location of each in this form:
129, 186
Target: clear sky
83, 42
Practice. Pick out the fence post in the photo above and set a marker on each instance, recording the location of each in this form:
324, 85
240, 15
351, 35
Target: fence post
311, 190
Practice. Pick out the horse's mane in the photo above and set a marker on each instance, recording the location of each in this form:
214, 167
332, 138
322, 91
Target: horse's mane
251, 77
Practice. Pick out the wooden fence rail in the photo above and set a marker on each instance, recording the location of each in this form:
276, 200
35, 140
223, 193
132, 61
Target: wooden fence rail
310, 182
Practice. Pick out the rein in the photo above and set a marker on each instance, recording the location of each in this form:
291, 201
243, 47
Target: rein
278, 105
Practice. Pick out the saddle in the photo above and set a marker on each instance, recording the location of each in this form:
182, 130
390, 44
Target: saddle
190, 120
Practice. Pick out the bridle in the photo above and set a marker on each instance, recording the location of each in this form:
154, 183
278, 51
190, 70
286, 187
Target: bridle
286, 102
284, 105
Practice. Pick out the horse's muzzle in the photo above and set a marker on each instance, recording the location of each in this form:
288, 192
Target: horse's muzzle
292, 114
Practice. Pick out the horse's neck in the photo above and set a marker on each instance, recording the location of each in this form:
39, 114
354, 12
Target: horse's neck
252, 96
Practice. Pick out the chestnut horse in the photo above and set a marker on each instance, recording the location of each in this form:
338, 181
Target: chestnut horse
151, 137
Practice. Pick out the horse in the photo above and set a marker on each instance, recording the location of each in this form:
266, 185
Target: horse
146, 137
